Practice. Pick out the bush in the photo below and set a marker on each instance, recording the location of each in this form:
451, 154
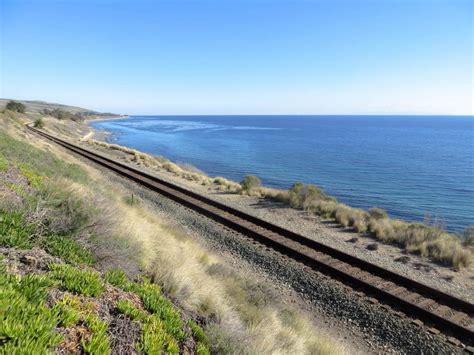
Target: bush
39, 123
250, 182
16, 106
342, 213
69, 209
377, 213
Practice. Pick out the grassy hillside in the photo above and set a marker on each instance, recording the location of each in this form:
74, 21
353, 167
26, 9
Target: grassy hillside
38, 106
52, 297
33, 106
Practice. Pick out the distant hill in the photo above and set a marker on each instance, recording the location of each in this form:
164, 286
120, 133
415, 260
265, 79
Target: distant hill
35, 106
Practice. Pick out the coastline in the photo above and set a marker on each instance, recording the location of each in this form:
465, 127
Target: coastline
323, 229
94, 119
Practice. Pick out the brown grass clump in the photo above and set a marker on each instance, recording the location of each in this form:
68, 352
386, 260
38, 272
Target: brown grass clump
427, 241
342, 215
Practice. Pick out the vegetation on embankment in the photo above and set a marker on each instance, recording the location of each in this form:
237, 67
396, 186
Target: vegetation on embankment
41, 308
426, 239
112, 275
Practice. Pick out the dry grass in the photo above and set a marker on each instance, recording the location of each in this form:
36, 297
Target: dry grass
185, 171
244, 320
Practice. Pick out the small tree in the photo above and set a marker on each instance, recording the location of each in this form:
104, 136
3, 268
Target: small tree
39, 123
16, 106
250, 182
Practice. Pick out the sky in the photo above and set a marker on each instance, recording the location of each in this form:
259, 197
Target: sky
241, 56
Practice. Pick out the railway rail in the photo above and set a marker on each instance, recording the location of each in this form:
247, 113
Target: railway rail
442, 311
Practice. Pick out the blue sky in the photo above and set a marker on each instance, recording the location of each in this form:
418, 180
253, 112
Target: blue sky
241, 56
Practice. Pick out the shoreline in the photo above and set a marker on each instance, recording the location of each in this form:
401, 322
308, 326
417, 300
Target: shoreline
88, 120
413, 200
323, 229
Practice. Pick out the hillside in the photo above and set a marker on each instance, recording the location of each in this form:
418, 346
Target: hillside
35, 106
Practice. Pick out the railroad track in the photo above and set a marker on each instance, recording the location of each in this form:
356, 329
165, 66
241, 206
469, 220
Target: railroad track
442, 311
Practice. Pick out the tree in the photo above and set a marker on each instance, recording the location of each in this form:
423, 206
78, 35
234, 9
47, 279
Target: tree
16, 106
39, 123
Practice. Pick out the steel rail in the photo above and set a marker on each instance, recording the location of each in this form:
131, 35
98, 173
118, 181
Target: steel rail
443, 311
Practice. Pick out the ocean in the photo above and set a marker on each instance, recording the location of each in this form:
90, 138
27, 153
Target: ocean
411, 166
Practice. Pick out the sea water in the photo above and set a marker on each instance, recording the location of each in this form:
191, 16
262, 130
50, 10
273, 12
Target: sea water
410, 166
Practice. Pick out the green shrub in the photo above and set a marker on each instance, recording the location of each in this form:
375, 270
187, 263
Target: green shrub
33, 287
38, 123
67, 249
154, 338
250, 182
84, 282
14, 232
153, 301
202, 349
15, 106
